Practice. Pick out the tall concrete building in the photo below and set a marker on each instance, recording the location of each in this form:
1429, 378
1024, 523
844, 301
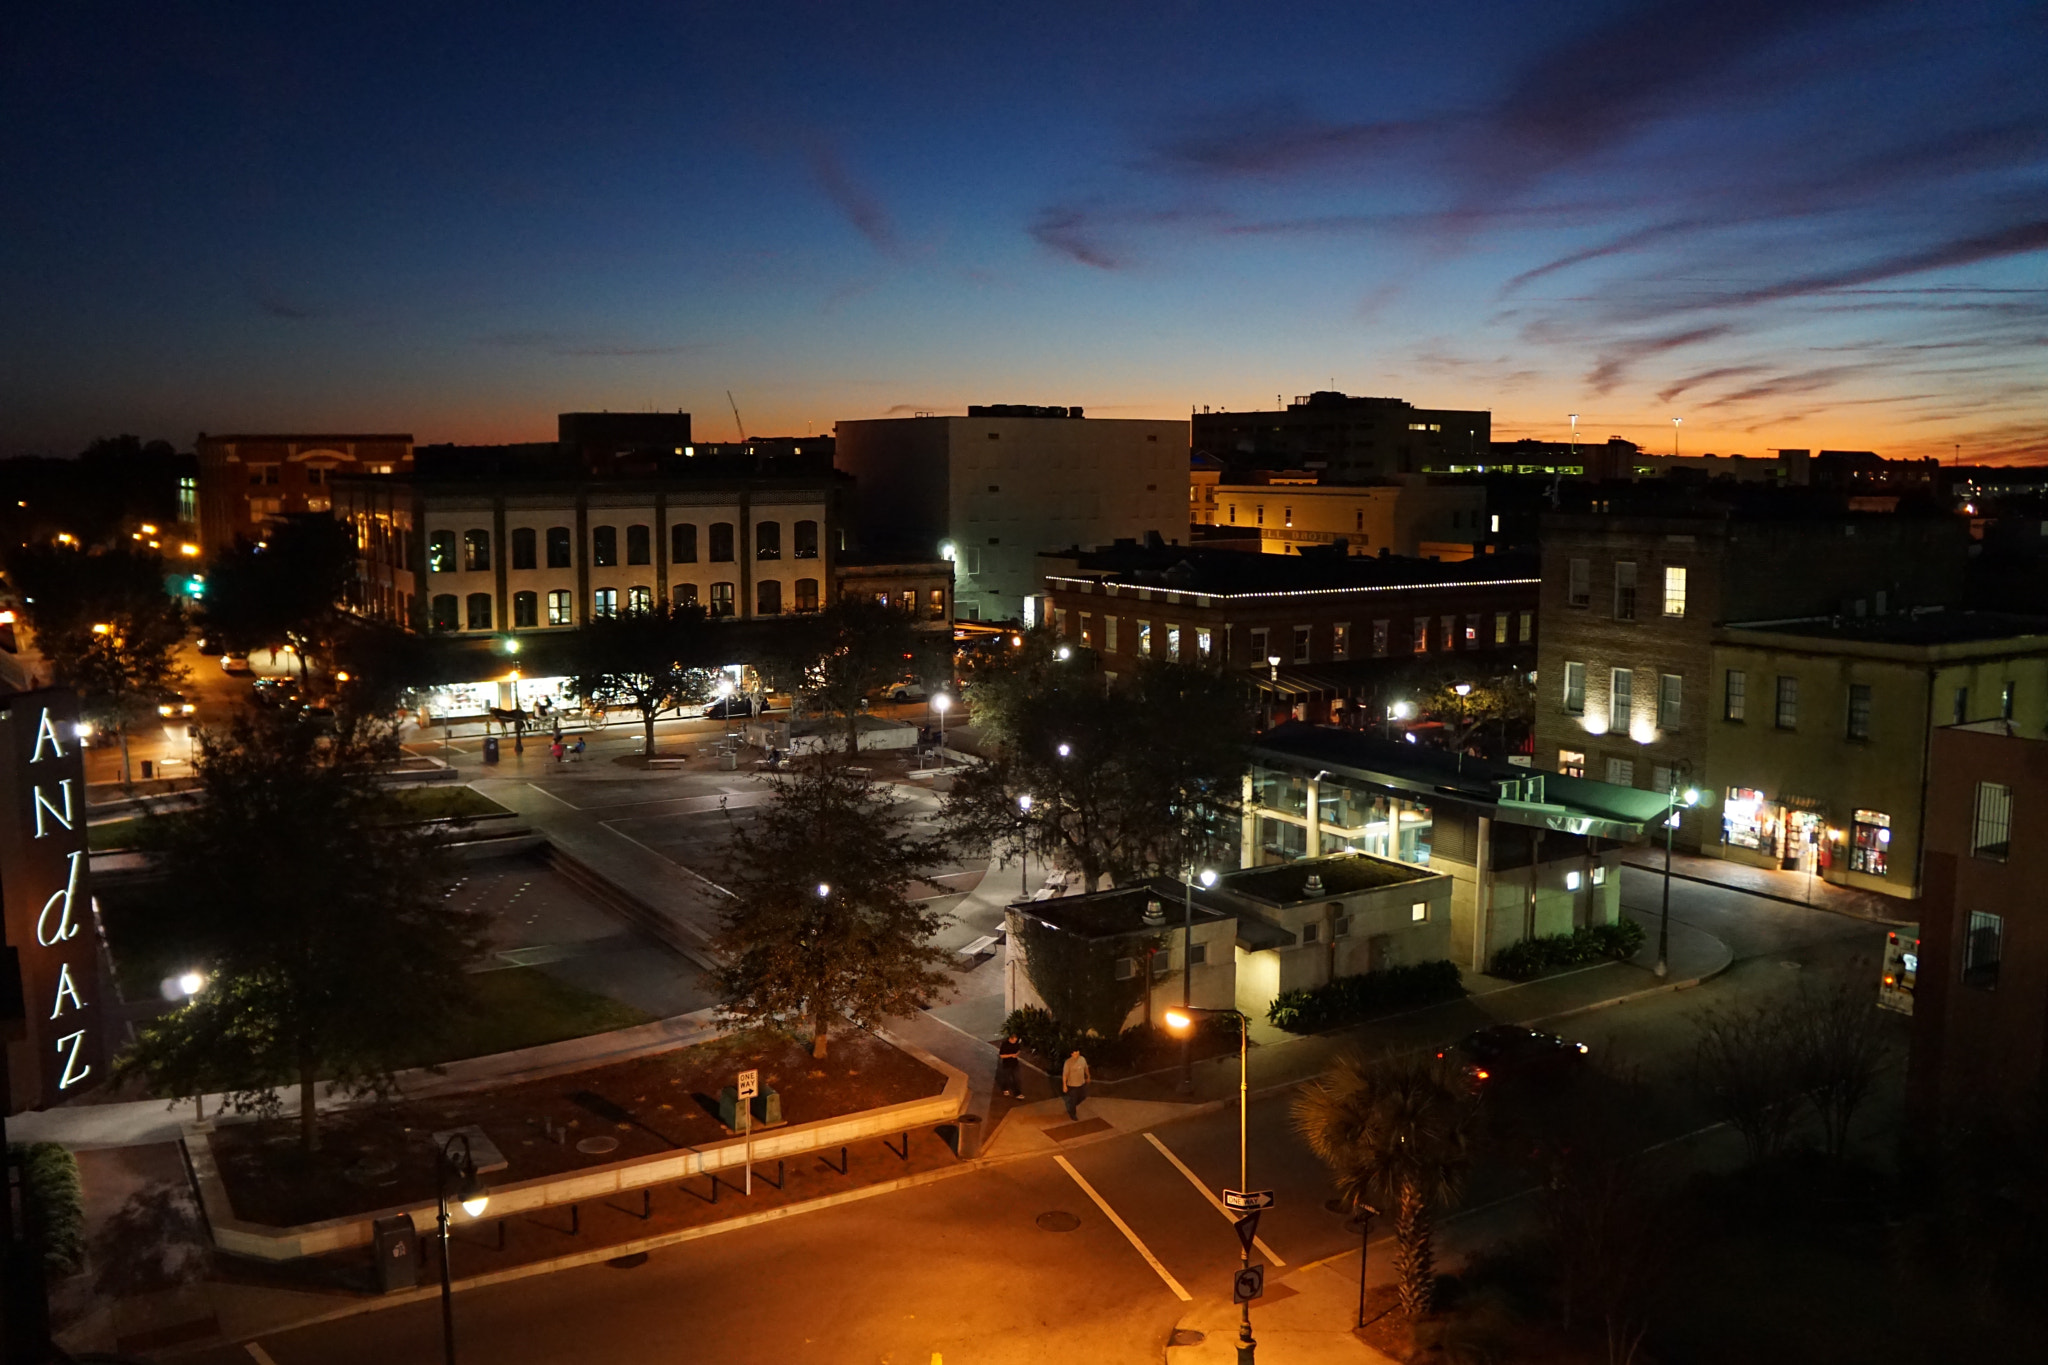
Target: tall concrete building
995, 488
1346, 439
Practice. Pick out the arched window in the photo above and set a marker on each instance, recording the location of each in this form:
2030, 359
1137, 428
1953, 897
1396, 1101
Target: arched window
441, 552
685, 595
682, 543
558, 547
721, 542
479, 611
604, 546
476, 550
767, 540
768, 598
721, 599
523, 548
639, 600
445, 608
805, 539
806, 593
525, 607
638, 541
604, 602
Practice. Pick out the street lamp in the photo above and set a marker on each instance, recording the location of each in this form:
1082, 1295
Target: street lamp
1023, 849
1207, 877
1066, 750
1674, 436
1063, 653
458, 1182
942, 704
1182, 1020
1678, 801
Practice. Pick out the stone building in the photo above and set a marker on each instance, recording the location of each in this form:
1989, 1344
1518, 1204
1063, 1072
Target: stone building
246, 481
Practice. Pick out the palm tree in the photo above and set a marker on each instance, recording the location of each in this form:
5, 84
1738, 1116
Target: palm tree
1396, 1132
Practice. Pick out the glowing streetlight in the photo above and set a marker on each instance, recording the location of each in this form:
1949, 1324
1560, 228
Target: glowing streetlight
191, 983
1063, 653
1207, 877
1066, 750
1182, 1021
457, 1182
824, 890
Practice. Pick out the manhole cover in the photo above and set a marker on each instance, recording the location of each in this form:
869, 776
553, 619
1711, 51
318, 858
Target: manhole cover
1186, 1336
597, 1146
1058, 1221
632, 1262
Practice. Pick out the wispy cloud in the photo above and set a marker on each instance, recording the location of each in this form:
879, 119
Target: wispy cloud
581, 345
853, 199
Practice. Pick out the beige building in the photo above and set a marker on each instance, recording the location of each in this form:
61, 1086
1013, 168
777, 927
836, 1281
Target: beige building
1817, 753
993, 489
1410, 516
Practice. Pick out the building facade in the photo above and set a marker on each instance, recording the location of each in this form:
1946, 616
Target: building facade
245, 481
1630, 604
995, 488
1411, 516
1321, 918
1819, 733
1980, 997
921, 588
1348, 439
493, 555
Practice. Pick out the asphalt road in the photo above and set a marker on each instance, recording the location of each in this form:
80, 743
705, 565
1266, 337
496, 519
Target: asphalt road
961, 1269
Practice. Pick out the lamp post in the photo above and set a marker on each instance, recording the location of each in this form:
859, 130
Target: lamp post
1023, 848
942, 703
1207, 877
1674, 436
458, 1171
1691, 797
1463, 690
1362, 1216
1182, 1021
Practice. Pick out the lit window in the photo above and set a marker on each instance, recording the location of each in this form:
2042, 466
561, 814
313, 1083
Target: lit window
560, 612
1418, 913
604, 602
1571, 881
1674, 591
1571, 762
1735, 694
1870, 842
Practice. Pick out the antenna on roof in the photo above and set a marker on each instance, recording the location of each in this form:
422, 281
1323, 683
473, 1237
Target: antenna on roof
736, 415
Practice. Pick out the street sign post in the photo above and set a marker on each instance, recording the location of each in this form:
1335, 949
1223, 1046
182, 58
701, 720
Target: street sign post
1247, 1201
1248, 1284
749, 1086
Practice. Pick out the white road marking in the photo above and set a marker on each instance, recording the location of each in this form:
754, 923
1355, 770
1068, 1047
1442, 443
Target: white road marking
257, 1353
1125, 1229
1214, 1202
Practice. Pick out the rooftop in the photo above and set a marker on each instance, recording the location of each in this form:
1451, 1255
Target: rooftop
1120, 910
1922, 626
1230, 573
1342, 874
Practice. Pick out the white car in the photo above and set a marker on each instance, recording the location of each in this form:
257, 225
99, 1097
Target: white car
910, 691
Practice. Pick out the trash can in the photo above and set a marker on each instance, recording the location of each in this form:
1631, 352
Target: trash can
967, 1136
490, 748
148, 770
397, 1253
729, 760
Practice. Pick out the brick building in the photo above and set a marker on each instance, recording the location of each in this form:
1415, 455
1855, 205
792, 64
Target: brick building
1630, 604
244, 481
1980, 999
1350, 439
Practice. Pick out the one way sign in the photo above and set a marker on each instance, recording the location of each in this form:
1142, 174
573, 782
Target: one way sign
1247, 1201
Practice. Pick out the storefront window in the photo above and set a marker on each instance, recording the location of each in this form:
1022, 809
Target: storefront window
1870, 842
1746, 818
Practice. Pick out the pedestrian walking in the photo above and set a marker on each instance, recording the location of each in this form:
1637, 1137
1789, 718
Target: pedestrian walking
556, 750
1006, 1065
1074, 1082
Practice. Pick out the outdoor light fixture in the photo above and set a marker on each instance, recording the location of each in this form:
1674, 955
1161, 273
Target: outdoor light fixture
1181, 1019
1207, 877
1401, 710
1063, 653
191, 983
1024, 803
1463, 689
459, 1183
1066, 750
511, 646
824, 890
947, 551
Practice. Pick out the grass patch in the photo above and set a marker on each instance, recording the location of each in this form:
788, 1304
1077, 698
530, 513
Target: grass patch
118, 835
146, 935
446, 802
521, 1007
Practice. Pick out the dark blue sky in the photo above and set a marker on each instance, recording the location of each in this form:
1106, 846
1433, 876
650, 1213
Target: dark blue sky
1788, 222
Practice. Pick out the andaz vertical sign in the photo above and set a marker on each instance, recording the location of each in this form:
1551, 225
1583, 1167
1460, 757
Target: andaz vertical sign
47, 899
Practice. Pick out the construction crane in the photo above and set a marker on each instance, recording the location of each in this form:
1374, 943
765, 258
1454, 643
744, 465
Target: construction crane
736, 415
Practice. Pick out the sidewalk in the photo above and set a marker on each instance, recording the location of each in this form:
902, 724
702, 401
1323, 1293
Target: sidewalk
1793, 888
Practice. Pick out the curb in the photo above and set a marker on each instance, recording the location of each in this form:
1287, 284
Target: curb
1697, 879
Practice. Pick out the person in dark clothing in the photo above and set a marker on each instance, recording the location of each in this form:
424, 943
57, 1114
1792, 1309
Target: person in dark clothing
1006, 1065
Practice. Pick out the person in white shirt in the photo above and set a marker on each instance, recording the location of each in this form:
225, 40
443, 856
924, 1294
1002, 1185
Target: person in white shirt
1074, 1082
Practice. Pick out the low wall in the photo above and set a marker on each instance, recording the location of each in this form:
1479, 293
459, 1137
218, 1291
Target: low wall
232, 1234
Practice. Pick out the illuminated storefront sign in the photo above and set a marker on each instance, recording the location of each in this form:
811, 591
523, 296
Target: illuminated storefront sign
47, 899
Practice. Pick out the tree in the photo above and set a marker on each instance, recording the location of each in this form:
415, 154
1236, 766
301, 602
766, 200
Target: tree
1503, 700
852, 649
1396, 1133
106, 627
1076, 976
320, 918
650, 662
820, 924
283, 588
1610, 1230
1128, 781
1843, 1042
1747, 1062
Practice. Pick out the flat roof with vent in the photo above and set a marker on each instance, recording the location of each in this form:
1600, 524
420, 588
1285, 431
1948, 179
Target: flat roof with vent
1341, 874
1120, 911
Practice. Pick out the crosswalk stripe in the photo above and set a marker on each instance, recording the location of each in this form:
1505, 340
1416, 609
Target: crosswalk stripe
1125, 1229
1214, 1202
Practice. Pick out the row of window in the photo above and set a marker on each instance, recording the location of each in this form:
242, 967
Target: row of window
1473, 634
1621, 696
475, 545
1785, 703
1579, 588
474, 612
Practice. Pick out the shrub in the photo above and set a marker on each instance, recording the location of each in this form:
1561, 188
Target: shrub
1349, 999
1038, 1031
1592, 943
56, 1198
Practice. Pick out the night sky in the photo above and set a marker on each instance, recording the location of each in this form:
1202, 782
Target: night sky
1815, 223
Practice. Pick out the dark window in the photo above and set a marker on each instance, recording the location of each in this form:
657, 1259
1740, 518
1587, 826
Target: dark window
685, 595
523, 549
767, 540
1788, 703
1624, 591
525, 605
446, 608
479, 611
1962, 705
604, 546
807, 594
804, 544
1991, 826
721, 597
441, 552
1859, 710
1579, 583
1735, 695
558, 547
682, 543
768, 598
639, 545
721, 542
476, 550
1983, 946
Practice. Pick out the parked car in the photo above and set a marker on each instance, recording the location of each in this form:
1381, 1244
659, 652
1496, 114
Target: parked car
910, 691
730, 708
235, 664
274, 692
1510, 1052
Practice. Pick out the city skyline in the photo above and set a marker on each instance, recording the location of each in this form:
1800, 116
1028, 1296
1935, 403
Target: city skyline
1811, 224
